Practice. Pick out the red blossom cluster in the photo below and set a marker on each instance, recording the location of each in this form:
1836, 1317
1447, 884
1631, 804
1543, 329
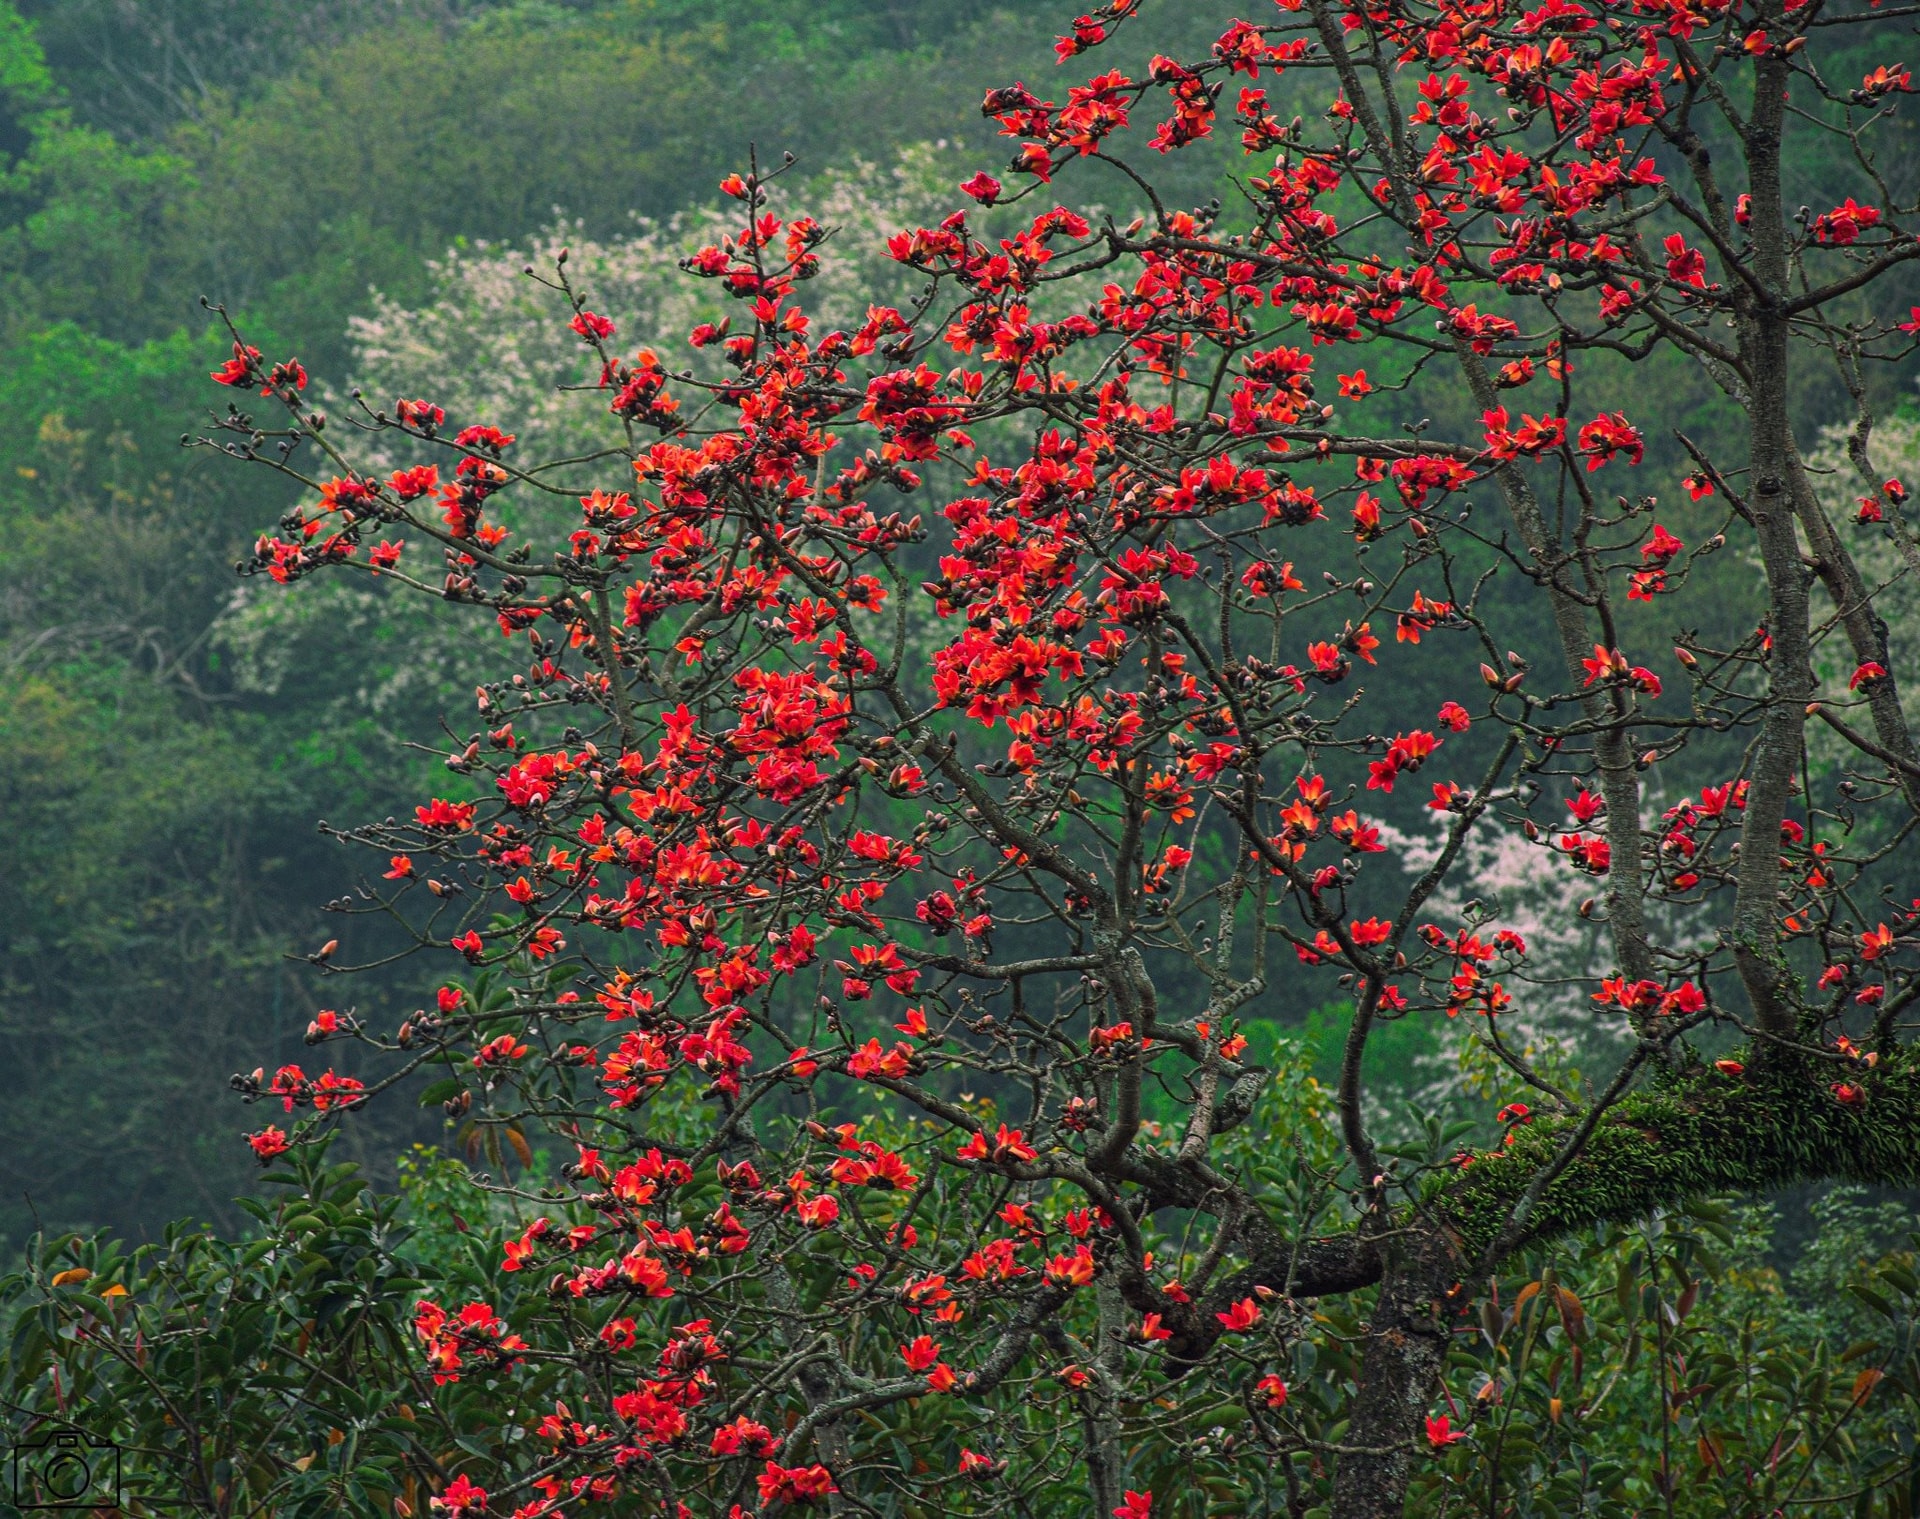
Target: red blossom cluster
845, 879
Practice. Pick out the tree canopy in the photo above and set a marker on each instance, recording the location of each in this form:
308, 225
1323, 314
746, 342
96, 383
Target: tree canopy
947, 671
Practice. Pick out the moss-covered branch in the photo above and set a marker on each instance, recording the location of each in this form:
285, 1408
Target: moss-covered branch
1696, 1133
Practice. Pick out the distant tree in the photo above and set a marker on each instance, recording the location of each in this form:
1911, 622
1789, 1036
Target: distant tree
878, 900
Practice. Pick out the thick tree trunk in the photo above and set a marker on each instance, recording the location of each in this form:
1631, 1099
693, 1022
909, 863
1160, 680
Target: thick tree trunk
1399, 1375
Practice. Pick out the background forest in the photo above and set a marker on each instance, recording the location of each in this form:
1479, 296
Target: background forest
359, 181
303, 165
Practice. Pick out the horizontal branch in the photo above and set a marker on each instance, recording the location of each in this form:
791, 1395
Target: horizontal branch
1690, 1137
1769, 1127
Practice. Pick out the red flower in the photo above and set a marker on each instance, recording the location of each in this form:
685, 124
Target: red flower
818, 1212
1327, 661
1607, 435
242, 370
1074, 1270
1441, 1434
490, 439
1844, 224
1661, 547
920, 1353
983, 187
1007, 1144
743, 1435
460, 1499
445, 816
1603, 663
411, 484
1685, 266
268, 1143
795, 1485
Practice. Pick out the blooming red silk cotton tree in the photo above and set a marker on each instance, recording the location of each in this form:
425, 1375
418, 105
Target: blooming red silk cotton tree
933, 743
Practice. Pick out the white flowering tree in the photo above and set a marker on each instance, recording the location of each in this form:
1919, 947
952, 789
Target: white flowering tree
491, 340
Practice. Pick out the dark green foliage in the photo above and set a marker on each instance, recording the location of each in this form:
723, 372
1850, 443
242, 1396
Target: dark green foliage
271, 1370
1663, 1366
